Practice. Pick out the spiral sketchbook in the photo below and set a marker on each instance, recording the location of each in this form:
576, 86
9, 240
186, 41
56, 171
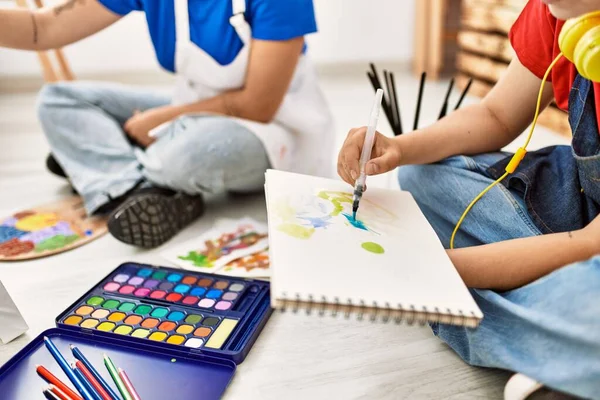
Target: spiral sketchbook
386, 265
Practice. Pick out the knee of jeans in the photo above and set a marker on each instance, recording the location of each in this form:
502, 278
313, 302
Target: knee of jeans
415, 179
50, 95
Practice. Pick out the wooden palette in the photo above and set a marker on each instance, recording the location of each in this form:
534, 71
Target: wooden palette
47, 230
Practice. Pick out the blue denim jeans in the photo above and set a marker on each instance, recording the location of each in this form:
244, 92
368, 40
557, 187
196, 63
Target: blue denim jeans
83, 122
549, 329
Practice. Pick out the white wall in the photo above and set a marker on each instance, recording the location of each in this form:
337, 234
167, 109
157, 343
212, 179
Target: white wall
350, 31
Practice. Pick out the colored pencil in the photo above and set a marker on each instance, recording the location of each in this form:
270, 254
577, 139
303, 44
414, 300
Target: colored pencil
49, 395
67, 369
419, 100
50, 378
90, 368
463, 94
92, 380
85, 382
112, 370
129, 385
444, 109
59, 393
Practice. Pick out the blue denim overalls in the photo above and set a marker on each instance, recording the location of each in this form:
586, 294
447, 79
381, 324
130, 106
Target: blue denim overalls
560, 184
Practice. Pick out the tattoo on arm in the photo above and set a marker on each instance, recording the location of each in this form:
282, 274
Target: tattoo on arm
66, 6
35, 28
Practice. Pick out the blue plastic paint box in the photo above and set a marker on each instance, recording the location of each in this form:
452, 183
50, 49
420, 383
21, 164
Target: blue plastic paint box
177, 334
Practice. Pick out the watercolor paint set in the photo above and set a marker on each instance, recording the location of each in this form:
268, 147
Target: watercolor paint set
179, 334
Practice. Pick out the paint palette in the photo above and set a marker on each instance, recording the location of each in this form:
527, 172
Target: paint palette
49, 229
174, 348
174, 307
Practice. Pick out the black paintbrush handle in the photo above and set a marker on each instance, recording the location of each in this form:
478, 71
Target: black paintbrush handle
444, 109
396, 104
464, 93
419, 100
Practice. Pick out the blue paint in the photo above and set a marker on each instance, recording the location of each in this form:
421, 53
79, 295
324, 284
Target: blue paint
88, 232
144, 272
174, 277
316, 222
8, 232
181, 288
176, 316
198, 291
214, 294
355, 222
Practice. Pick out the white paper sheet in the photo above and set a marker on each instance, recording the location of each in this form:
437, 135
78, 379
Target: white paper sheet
12, 324
394, 258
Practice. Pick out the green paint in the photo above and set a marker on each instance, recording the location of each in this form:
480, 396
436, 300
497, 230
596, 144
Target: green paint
126, 307
159, 275
297, 231
193, 319
95, 301
336, 198
55, 243
143, 309
111, 304
159, 312
199, 260
373, 247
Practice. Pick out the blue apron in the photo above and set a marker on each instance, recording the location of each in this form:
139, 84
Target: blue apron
561, 184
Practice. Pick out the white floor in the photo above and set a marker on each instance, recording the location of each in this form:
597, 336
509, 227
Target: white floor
295, 356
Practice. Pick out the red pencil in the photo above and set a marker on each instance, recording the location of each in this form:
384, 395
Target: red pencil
48, 377
59, 393
88, 375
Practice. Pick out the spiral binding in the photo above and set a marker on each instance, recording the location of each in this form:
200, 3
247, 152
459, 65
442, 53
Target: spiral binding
373, 312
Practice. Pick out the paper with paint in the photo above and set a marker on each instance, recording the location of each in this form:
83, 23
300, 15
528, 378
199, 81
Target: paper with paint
229, 240
388, 255
13, 325
255, 265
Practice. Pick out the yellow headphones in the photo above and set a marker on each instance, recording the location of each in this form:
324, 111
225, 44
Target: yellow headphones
579, 42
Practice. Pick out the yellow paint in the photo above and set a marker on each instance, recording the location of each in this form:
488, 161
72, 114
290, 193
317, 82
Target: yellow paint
106, 326
73, 320
158, 336
140, 333
185, 329
176, 339
36, 222
295, 230
116, 316
123, 330
284, 211
222, 333
336, 198
89, 323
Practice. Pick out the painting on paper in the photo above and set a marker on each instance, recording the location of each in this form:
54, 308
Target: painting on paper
227, 241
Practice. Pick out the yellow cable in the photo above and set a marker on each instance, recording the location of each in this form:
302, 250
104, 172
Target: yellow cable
514, 162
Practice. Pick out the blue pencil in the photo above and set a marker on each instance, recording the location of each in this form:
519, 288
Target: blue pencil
85, 382
79, 355
67, 369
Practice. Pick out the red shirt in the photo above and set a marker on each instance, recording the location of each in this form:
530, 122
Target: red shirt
534, 36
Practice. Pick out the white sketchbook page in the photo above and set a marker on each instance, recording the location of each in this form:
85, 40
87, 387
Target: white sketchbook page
414, 269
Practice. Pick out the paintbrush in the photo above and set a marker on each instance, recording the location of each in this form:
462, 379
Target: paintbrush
444, 109
463, 94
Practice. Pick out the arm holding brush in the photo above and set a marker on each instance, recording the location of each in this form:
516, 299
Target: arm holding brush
504, 113
479, 128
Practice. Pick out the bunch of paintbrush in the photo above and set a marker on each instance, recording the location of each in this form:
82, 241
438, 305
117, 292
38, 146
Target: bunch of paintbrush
391, 106
89, 383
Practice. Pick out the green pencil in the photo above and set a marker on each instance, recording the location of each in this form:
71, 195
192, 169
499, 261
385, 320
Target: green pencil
112, 370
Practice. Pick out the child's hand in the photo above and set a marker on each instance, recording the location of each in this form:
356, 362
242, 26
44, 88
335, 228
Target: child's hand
385, 156
141, 123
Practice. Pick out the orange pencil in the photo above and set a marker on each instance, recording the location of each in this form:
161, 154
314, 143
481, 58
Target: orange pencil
48, 377
95, 384
59, 393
